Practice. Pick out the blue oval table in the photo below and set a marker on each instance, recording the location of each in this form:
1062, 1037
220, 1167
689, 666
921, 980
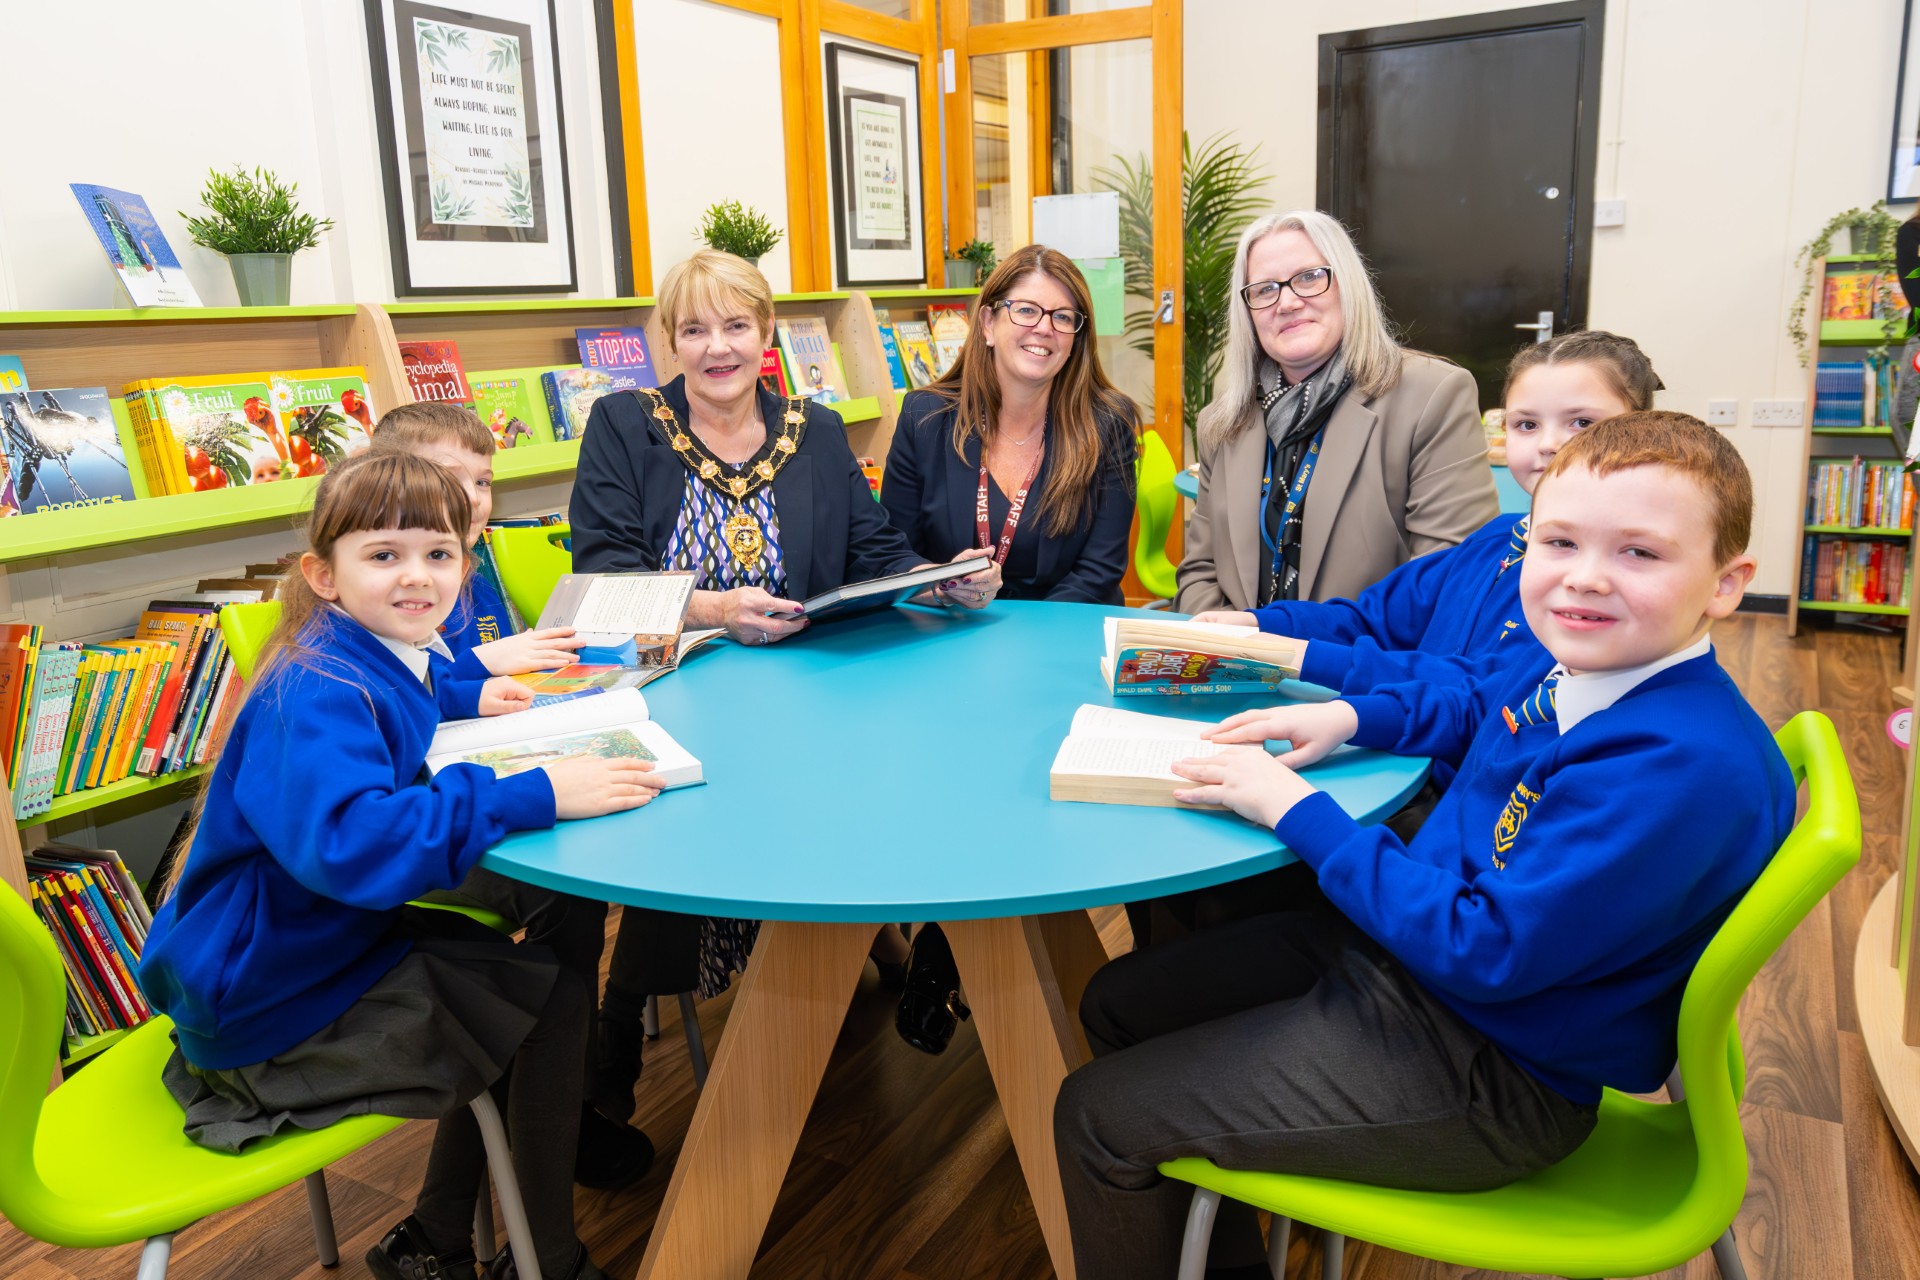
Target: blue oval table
882, 768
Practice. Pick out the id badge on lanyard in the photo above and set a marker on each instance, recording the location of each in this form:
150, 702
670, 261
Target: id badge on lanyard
1014, 507
1296, 494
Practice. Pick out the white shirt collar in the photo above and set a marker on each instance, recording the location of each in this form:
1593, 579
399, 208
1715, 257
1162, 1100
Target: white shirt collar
1577, 697
413, 656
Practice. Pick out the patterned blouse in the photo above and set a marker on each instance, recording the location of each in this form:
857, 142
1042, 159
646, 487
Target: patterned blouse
697, 543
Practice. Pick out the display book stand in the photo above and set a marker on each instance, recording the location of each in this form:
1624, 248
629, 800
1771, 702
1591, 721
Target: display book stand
87, 573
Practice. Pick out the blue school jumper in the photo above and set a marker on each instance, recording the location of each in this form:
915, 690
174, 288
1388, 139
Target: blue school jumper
479, 617
1563, 888
317, 828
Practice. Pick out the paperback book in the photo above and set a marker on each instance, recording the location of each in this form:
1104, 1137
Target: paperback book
619, 353
571, 395
613, 726
809, 355
325, 416
511, 405
773, 373
627, 619
1147, 656
916, 351
896, 368
948, 323
133, 242
1123, 757
61, 449
210, 432
434, 372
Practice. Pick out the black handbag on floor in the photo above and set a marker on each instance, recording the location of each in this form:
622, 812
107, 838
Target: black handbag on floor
931, 1008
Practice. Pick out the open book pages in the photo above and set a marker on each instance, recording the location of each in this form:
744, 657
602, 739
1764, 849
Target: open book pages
1170, 656
1124, 757
614, 725
586, 679
878, 593
617, 610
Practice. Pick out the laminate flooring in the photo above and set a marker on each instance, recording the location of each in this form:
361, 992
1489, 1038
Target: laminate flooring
905, 1170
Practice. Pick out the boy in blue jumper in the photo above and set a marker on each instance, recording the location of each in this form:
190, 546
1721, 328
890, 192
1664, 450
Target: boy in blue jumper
1448, 1017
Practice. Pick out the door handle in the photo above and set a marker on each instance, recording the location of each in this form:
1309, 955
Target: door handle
1542, 327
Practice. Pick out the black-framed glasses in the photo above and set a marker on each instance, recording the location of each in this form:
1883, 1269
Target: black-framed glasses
1027, 315
1310, 283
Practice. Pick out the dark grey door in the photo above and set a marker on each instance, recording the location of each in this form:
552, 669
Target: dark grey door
1461, 154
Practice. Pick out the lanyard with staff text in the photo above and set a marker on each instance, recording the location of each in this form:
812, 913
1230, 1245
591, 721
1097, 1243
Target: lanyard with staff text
1296, 493
1015, 506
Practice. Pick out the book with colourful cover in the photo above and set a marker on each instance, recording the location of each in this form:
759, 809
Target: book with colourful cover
1146, 656
223, 426
58, 670
613, 725
434, 371
1849, 296
512, 407
896, 367
620, 353
571, 395
916, 351
809, 355
134, 244
13, 374
948, 323
325, 415
773, 373
63, 449
17, 644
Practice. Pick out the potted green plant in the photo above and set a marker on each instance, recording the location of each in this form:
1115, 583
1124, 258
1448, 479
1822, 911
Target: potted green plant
255, 220
971, 263
739, 229
1870, 231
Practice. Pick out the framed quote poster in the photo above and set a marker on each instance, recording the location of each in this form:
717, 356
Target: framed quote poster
873, 132
472, 146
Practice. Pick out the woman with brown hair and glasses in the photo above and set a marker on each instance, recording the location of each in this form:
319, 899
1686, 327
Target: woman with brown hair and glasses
1023, 446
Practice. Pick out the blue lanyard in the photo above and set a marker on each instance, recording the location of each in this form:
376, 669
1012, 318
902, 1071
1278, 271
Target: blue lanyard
1296, 493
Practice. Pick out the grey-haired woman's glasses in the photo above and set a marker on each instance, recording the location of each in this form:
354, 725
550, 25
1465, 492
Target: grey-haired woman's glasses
1310, 283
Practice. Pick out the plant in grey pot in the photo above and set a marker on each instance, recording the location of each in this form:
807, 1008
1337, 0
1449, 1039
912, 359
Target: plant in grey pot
255, 220
739, 229
971, 263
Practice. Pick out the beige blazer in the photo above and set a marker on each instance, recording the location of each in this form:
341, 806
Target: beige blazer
1401, 474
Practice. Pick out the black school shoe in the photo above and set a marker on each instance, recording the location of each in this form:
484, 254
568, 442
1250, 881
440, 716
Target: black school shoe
502, 1268
611, 1155
405, 1253
931, 1007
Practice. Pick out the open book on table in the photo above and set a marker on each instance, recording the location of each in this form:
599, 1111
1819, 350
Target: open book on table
626, 619
587, 679
614, 725
1123, 757
1170, 656
879, 593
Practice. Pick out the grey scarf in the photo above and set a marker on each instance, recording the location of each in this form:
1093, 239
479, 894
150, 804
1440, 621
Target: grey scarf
1294, 415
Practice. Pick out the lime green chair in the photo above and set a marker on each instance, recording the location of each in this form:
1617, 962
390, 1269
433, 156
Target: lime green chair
530, 562
1656, 1183
1155, 501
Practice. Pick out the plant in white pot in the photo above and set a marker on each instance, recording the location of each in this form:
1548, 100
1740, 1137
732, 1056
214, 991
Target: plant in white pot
255, 220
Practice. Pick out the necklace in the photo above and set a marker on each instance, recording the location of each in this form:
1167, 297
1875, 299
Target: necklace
744, 537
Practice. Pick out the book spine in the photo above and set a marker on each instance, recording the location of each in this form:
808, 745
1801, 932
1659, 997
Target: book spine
80, 997
111, 949
193, 751
556, 411
183, 713
48, 723
92, 953
1808, 553
159, 481
86, 693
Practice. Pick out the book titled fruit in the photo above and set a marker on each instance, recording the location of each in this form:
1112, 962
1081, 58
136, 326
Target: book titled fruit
619, 353
571, 395
1146, 656
434, 372
223, 429
325, 415
809, 355
60, 449
511, 405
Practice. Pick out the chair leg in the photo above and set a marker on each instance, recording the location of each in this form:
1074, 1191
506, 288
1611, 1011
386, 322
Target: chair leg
500, 1160
320, 1209
1193, 1245
1333, 1256
484, 1236
153, 1257
1277, 1234
696, 1047
1726, 1256
650, 1018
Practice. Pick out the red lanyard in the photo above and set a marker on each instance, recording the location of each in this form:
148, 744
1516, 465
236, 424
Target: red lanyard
1014, 508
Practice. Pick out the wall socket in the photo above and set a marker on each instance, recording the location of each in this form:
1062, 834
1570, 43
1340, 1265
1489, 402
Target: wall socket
1723, 413
1779, 413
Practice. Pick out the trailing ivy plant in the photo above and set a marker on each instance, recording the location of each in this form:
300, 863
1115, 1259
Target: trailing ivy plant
1881, 227
739, 229
1219, 196
253, 213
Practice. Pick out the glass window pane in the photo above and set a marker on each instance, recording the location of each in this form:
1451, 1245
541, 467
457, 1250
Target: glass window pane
888, 8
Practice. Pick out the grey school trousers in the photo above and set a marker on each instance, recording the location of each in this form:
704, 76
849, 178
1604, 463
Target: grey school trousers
1283, 1042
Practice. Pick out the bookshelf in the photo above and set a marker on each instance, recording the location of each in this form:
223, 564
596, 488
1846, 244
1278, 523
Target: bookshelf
1831, 445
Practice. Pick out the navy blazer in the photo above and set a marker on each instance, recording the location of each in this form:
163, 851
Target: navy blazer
628, 491
930, 491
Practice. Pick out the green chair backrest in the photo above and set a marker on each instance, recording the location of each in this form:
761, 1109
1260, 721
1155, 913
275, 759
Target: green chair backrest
246, 628
530, 562
1155, 499
1822, 847
33, 996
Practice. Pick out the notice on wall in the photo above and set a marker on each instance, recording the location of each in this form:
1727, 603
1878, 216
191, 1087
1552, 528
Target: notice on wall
475, 128
880, 160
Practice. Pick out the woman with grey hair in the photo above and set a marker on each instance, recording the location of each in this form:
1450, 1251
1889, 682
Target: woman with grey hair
1331, 454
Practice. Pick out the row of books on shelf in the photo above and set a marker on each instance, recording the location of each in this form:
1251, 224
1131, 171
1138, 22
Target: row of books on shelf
1860, 495
76, 715
1853, 393
1862, 295
99, 923
1854, 571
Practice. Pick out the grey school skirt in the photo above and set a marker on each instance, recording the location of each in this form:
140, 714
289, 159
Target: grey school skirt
439, 1027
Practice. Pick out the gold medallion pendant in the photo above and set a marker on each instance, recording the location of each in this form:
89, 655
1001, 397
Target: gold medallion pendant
744, 538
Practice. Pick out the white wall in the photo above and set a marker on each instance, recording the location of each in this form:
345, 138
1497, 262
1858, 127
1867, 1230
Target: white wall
1732, 128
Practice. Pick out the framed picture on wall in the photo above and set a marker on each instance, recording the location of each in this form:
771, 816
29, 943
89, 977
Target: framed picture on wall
472, 146
873, 135
1903, 174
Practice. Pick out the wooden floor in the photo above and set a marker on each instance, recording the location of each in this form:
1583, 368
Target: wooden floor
905, 1168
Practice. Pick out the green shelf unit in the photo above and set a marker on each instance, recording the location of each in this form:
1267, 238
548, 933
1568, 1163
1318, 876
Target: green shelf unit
113, 793
1852, 257
508, 307
1853, 431
168, 315
1853, 532
1856, 332
562, 457
880, 295
864, 409
1825, 606
80, 1048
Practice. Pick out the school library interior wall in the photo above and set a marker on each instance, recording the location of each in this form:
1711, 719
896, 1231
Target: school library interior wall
1732, 128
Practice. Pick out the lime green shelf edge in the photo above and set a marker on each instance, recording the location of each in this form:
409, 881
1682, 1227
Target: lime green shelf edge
865, 409
1853, 431
496, 306
115, 524
171, 315
1859, 533
114, 792
1824, 606
1848, 331
80, 1048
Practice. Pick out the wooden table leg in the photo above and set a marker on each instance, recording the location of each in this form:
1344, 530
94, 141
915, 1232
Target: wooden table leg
1031, 1039
1074, 947
779, 1035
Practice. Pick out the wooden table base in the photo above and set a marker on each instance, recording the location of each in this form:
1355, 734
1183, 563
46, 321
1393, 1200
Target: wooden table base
1023, 977
1876, 992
